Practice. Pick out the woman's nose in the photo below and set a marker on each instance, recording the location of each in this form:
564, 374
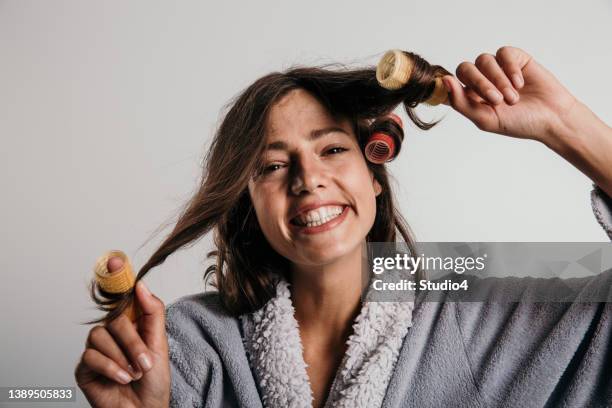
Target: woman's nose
308, 176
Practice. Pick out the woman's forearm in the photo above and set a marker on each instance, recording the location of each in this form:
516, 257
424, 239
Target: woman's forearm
585, 141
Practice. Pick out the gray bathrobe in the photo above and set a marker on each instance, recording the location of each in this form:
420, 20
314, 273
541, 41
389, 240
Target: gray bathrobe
403, 354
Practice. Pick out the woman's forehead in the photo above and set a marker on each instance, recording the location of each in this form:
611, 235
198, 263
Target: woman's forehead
300, 114
294, 107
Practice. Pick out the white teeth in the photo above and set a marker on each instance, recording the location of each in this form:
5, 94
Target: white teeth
324, 213
319, 216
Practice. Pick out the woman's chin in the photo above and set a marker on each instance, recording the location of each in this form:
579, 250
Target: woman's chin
327, 253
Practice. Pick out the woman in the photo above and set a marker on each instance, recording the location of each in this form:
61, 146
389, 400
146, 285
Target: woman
292, 201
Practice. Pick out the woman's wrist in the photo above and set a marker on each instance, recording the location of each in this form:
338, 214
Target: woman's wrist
585, 141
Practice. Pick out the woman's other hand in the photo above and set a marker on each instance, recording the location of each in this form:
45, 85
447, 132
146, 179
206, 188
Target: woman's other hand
511, 94
125, 364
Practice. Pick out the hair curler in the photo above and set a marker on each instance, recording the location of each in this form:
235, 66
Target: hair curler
384, 143
117, 282
393, 72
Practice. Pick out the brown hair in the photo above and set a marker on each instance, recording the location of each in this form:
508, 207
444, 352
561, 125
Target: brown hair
245, 264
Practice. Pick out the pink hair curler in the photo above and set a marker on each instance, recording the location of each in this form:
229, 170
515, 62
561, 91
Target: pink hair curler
382, 146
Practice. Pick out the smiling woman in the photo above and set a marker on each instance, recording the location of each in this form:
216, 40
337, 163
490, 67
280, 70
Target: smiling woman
292, 201
291, 198
279, 136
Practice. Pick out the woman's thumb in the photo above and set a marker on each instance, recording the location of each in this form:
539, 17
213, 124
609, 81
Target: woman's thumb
114, 264
152, 323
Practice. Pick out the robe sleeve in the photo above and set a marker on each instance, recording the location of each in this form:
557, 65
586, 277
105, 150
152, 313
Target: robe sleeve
544, 353
602, 208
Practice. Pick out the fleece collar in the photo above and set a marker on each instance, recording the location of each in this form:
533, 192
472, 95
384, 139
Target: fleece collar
274, 349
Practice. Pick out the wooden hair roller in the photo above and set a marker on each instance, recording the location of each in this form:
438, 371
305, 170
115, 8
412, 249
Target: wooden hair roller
120, 281
394, 70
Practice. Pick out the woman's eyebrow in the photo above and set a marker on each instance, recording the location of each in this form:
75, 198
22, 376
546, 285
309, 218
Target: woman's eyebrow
314, 135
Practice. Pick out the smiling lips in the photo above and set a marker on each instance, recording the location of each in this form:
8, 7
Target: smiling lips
320, 219
318, 216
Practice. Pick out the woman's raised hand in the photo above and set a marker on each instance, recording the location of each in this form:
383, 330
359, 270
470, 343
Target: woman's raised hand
511, 94
125, 364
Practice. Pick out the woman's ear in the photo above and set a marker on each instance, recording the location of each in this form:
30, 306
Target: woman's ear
376, 185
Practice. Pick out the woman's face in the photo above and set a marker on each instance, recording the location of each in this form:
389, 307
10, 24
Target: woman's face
315, 201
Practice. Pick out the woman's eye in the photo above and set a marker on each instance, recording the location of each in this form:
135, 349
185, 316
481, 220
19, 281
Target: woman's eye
336, 150
277, 166
271, 168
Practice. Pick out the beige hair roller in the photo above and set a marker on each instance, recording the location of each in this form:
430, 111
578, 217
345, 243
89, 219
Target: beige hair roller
393, 72
120, 281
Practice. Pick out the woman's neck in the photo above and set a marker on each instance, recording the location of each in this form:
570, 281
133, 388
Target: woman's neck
328, 298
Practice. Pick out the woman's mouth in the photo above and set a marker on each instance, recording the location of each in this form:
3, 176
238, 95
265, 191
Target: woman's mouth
321, 219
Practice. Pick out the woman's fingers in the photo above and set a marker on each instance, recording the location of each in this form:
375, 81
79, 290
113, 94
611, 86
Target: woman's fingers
488, 80
111, 350
488, 66
512, 60
474, 96
153, 320
125, 334
100, 339
496, 78
94, 361
474, 79
479, 113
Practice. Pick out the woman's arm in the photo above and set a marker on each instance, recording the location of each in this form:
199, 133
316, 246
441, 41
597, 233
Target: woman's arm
585, 141
512, 94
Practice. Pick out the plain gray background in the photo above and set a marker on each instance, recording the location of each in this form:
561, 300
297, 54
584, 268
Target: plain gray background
106, 109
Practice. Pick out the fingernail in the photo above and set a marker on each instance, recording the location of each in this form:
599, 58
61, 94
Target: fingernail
144, 362
494, 96
518, 80
510, 94
144, 288
135, 374
447, 84
123, 377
